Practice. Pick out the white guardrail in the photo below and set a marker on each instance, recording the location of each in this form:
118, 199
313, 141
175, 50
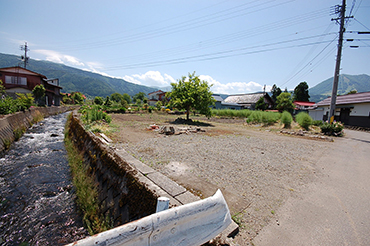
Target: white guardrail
191, 224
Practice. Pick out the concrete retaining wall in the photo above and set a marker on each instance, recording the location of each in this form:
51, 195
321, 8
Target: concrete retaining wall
121, 194
20, 121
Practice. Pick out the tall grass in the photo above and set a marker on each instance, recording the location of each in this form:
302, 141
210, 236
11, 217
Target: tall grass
244, 113
267, 118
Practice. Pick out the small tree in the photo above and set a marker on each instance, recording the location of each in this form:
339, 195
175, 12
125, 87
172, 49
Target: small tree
98, 100
116, 97
139, 96
77, 97
158, 105
301, 92
124, 103
284, 102
108, 102
39, 94
276, 91
260, 104
191, 93
127, 98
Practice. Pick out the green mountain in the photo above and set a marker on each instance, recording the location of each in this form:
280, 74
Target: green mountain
73, 79
347, 83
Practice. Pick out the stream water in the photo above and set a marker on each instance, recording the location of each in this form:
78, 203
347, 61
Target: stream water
37, 202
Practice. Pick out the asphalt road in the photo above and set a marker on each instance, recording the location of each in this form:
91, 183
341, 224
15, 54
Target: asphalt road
333, 210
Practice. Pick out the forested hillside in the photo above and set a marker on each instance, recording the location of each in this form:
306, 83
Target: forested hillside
72, 79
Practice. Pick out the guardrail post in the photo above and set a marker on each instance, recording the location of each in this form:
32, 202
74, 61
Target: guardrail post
163, 203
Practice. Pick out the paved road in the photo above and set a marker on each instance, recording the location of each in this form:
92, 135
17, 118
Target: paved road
334, 210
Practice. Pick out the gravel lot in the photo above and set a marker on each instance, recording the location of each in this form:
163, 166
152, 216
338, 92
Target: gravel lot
256, 169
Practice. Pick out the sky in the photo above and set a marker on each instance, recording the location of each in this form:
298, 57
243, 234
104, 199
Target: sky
237, 46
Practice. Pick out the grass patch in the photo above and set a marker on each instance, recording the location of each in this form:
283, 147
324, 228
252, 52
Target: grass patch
86, 190
18, 132
244, 113
238, 218
267, 118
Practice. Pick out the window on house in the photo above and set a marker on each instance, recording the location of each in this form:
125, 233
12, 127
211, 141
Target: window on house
15, 80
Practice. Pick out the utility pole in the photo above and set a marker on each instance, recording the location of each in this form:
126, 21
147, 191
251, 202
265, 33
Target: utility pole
25, 57
341, 10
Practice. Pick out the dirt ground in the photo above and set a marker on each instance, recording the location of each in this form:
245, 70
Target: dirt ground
256, 167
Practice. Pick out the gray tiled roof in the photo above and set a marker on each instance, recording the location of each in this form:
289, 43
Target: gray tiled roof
218, 98
244, 98
363, 97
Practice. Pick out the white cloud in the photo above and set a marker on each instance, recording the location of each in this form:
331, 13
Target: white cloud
233, 87
150, 78
57, 57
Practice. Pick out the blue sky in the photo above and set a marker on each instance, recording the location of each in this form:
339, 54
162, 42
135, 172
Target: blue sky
238, 46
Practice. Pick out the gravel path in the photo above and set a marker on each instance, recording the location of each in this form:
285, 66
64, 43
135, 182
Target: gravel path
256, 170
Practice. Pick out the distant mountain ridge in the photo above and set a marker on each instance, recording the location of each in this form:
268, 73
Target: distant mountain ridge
347, 83
93, 84
73, 79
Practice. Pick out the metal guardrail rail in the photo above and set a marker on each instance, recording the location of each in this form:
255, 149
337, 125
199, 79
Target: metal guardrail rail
191, 224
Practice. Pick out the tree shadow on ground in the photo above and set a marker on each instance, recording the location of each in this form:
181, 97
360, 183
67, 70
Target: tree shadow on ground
190, 122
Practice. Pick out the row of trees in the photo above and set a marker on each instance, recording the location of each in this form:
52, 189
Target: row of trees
190, 93
284, 100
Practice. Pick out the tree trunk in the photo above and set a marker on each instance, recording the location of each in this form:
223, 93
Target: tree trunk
187, 114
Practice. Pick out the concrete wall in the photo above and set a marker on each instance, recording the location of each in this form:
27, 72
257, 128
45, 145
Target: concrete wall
122, 196
21, 121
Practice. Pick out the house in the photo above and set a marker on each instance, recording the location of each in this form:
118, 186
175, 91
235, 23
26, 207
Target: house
351, 109
248, 101
302, 106
156, 96
21, 80
220, 104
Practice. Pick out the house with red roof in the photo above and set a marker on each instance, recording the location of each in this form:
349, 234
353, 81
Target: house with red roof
351, 109
21, 80
156, 96
302, 106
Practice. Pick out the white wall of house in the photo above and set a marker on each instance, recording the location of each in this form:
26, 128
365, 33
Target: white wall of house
316, 114
362, 109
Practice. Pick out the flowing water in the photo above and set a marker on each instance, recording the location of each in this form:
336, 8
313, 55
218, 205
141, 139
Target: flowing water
37, 205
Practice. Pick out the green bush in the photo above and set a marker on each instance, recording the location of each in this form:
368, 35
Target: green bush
9, 105
317, 123
99, 100
335, 129
304, 120
286, 119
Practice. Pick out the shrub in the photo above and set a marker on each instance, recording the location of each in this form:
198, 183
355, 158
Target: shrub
304, 120
317, 123
286, 119
335, 129
99, 100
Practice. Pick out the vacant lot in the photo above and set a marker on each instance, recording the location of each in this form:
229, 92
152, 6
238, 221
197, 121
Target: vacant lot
256, 169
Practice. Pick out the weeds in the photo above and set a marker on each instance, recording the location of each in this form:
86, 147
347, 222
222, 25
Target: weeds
86, 190
18, 132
